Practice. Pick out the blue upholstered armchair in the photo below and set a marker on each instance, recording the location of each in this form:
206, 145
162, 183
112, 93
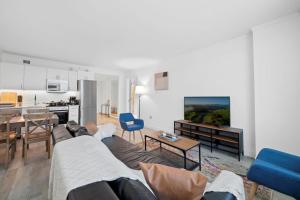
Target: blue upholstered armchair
276, 170
130, 124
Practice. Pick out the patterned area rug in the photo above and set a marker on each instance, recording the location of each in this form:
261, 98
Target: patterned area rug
213, 163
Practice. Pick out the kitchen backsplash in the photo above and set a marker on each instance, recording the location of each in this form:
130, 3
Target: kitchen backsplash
41, 96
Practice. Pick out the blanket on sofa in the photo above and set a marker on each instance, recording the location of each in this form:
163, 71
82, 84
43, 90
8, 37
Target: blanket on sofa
80, 161
228, 182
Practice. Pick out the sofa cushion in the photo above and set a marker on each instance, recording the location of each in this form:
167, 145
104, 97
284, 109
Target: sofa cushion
98, 190
128, 189
218, 196
60, 133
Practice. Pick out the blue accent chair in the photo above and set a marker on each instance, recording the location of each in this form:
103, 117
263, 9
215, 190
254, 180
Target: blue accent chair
130, 124
276, 170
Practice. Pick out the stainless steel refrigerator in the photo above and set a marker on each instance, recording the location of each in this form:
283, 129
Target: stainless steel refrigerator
88, 101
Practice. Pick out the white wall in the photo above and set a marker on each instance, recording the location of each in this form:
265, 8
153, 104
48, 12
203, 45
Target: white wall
114, 93
224, 69
277, 84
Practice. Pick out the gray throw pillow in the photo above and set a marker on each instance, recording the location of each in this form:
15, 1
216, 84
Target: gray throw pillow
81, 131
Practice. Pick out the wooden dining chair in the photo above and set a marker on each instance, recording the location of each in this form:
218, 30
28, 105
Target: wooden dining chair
37, 129
7, 137
36, 110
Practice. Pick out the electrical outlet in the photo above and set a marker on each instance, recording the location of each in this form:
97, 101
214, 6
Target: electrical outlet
150, 116
26, 62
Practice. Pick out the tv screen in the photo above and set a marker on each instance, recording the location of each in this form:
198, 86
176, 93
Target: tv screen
207, 110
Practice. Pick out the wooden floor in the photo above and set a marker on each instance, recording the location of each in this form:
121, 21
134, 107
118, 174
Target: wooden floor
30, 181
102, 119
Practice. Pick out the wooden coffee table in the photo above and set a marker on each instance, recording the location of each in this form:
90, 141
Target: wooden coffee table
183, 144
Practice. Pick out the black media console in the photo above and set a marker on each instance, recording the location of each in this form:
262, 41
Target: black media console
223, 138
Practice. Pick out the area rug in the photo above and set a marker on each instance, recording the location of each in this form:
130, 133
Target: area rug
213, 163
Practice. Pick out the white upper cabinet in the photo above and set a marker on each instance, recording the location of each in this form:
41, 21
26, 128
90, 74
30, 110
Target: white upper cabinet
11, 76
83, 75
57, 74
35, 78
73, 80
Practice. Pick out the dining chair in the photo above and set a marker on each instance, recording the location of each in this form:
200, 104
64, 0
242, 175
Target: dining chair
36, 110
37, 129
7, 137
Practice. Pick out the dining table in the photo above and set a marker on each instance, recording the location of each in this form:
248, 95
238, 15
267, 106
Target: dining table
17, 122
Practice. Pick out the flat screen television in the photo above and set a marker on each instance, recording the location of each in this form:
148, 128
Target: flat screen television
207, 110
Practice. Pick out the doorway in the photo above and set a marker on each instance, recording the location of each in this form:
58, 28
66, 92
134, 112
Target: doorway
107, 95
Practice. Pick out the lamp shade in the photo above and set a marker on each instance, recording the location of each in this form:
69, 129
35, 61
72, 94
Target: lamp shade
139, 89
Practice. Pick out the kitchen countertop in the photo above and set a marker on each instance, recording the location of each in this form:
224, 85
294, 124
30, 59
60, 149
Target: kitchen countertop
26, 106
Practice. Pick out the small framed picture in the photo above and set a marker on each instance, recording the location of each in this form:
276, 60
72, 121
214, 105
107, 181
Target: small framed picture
161, 81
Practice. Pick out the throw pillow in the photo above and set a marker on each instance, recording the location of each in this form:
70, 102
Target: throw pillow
107, 130
130, 123
81, 131
104, 131
169, 183
230, 182
98, 135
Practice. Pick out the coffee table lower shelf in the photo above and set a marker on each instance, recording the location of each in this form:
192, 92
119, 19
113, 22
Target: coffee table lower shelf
176, 159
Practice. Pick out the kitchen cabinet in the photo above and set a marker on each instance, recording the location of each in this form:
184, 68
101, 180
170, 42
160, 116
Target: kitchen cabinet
84, 75
35, 78
12, 76
72, 80
57, 74
74, 113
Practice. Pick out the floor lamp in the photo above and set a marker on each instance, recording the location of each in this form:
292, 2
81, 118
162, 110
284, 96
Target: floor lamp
139, 90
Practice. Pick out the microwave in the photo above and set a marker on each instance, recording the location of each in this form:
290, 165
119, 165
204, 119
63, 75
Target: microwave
57, 86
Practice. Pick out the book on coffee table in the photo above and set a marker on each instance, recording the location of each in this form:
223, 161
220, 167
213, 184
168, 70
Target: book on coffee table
168, 136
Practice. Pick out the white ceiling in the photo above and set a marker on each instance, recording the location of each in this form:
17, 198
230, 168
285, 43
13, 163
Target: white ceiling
127, 33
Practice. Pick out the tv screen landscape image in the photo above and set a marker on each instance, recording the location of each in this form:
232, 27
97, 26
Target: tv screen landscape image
207, 110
